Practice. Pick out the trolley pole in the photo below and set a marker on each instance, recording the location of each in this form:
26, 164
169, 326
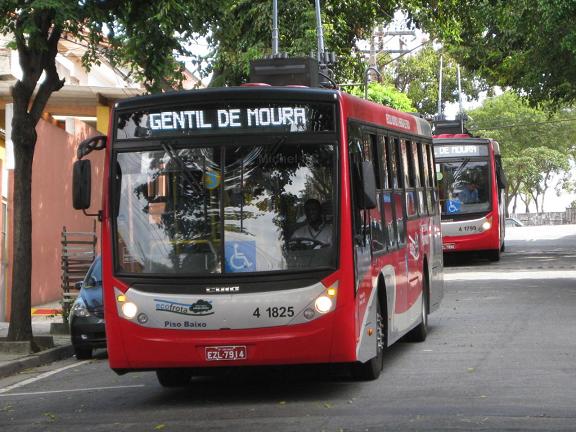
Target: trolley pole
274, 28
320, 34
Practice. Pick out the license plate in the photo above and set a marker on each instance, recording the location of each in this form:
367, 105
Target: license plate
223, 353
449, 246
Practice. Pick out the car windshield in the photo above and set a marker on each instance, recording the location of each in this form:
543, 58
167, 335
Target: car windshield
464, 186
93, 277
225, 209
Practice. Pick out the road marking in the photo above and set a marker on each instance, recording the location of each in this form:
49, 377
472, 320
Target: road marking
41, 376
70, 391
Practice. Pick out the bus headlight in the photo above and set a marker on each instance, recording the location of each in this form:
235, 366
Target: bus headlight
486, 226
129, 310
323, 304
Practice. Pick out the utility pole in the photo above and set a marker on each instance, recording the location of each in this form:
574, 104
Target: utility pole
380, 35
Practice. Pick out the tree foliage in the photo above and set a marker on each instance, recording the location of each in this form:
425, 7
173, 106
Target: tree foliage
386, 95
418, 77
528, 46
536, 145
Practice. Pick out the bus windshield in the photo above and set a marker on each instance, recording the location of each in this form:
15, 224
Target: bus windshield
217, 209
464, 186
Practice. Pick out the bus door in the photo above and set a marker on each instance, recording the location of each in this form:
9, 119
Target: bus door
502, 184
396, 211
360, 221
413, 235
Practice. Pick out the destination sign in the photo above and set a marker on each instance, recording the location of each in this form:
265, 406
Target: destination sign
177, 122
460, 150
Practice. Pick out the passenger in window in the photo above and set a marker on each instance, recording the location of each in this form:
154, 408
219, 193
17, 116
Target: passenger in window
317, 232
469, 194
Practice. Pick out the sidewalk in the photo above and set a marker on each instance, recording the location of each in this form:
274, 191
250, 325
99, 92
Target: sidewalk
12, 363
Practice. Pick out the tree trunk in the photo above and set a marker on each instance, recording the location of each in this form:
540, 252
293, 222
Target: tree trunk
24, 138
543, 198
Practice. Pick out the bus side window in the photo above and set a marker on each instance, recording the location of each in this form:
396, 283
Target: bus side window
423, 163
398, 195
416, 171
432, 181
389, 220
355, 150
409, 178
373, 154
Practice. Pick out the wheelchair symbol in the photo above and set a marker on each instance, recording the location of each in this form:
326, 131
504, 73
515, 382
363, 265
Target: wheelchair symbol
239, 261
453, 206
240, 256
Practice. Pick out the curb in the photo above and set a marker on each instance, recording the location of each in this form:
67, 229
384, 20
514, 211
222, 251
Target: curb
35, 360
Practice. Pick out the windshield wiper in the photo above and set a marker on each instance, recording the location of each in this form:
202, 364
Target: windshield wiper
188, 176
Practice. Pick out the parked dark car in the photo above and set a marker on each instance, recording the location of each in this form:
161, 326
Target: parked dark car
87, 314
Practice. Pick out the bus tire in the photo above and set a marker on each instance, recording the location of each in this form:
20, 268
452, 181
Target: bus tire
173, 377
371, 370
494, 255
420, 332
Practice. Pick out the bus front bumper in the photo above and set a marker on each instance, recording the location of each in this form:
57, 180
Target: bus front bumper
138, 348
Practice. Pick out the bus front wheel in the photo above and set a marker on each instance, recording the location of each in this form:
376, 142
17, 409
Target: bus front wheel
173, 377
371, 370
494, 255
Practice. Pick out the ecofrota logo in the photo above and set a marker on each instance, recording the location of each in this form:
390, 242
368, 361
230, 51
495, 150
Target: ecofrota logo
200, 308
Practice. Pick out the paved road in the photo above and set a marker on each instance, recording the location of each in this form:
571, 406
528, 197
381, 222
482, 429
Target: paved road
501, 355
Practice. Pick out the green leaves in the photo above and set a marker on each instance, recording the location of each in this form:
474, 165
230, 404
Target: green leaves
386, 95
529, 46
417, 76
536, 144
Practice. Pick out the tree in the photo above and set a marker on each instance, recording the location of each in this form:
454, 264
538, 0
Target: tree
386, 95
417, 76
518, 169
141, 39
535, 143
549, 162
528, 46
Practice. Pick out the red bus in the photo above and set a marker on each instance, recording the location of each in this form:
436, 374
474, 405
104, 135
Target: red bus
264, 225
472, 192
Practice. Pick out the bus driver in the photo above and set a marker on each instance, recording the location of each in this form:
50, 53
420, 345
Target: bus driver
469, 194
316, 229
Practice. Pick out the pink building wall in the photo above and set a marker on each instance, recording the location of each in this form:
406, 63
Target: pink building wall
52, 205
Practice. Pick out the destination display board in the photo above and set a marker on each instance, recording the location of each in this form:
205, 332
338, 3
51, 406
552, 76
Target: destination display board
249, 118
460, 150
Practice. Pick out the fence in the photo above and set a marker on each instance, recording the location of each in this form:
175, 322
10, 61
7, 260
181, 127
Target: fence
78, 252
548, 218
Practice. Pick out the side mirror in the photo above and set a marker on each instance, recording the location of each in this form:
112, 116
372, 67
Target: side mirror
78, 285
81, 184
92, 282
369, 185
97, 142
